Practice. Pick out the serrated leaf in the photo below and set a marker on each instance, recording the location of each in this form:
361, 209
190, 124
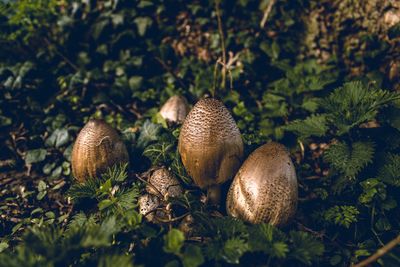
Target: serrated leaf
305, 248
315, 125
234, 249
349, 160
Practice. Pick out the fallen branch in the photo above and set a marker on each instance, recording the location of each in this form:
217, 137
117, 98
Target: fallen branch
379, 253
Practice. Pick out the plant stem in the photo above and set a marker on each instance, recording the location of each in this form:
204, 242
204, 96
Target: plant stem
214, 195
221, 34
379, 253
267, 11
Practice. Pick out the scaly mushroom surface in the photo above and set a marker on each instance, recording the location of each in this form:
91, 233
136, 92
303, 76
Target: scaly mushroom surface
210, 145
265, 188
97, 147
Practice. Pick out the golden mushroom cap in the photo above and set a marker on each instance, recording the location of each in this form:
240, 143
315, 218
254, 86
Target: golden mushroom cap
161, 181
210, 144
265, 188
97, 147
175, 109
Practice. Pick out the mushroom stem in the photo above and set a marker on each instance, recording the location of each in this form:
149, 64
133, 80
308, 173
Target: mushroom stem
214, 195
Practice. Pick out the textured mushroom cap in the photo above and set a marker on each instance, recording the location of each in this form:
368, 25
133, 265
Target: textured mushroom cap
175, 109
165, 183
210, 143
148, 207
265, 188
97, 147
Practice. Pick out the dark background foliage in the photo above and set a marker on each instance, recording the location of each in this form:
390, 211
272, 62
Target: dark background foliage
320, 77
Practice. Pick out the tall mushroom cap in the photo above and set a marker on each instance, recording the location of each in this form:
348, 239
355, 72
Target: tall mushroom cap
265, 188
97, 147
210, 144
175, 109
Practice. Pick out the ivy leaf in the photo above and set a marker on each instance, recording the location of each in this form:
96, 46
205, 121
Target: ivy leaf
58, 138
149, 132
35, 156
143, 23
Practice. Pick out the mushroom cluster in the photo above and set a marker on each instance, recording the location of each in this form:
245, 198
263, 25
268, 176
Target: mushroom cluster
264, 188
161, 185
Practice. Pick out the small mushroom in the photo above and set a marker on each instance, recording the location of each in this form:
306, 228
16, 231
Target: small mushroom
175, 109
149, 207
161, 181
265, 188
154, 204
97, 147
210, 146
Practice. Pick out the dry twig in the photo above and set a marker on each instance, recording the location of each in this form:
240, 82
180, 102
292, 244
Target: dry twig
221, 33
379, 253
267, 11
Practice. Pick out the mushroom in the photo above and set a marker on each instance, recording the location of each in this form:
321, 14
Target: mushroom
210, 146
175, 109
149, 207
161, 181
161, 185
97, 148
265, 188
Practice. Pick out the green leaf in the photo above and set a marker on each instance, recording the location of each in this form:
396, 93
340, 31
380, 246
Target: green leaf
58, 138
389, 172
349, 160
234, 249
105, 204
3, 246
143, 23
342, 215
354, 103
149, 132
315, 125
35, 156
173, 241
135, 82
192, 256
305, 248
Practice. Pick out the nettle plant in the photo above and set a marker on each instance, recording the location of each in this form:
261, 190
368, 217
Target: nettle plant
358, 194
64, 62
